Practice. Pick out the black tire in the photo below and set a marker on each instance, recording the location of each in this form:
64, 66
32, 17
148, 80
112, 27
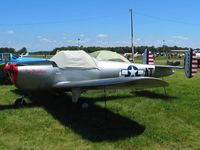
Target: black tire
20, 102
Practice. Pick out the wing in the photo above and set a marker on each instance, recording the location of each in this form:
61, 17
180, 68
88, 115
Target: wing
122, 82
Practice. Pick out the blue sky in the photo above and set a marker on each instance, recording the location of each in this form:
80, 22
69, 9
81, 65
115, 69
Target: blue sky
46, 24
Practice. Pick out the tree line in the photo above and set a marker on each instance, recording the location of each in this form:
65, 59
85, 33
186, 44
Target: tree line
126, 49
12, 50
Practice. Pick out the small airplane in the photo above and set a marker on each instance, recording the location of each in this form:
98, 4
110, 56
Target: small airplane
129, 55
77, 71
12, 58
9, 57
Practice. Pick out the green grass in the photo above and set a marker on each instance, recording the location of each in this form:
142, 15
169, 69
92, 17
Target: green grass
132, 119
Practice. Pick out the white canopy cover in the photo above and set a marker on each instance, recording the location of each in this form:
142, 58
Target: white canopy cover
74, 59
109, 56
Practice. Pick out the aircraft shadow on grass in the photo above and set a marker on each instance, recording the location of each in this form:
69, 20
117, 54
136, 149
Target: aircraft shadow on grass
153, 95
95, 123
11, 106
5, 81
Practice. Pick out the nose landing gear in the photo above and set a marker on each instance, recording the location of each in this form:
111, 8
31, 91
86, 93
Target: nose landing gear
20, 102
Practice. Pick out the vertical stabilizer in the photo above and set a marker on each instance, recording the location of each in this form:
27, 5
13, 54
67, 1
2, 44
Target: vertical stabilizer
148, 57
191, 63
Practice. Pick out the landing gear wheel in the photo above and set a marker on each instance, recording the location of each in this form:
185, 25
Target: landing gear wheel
20, 102
84, 105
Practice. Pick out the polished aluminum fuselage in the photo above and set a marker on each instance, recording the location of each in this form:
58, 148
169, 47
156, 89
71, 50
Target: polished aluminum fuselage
44, 77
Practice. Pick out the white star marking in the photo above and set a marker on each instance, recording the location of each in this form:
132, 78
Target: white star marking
132, 71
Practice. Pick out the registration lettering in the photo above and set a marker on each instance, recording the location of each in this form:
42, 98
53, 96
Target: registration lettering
34, 71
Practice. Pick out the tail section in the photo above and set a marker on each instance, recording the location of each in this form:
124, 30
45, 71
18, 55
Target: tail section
191, 63
148, 57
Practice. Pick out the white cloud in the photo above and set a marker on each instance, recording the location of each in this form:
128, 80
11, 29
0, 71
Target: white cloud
39, 36
82, 35
170, 41
10, 32
70, 41
46, 40
102, 35
85, 41
64, 34
125, 43
102, 43
138, 39
180, 37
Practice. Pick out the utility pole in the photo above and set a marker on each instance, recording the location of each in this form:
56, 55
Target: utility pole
164, 52
79, 42
132, 39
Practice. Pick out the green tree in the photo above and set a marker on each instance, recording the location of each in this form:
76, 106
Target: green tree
22, 51
7, 50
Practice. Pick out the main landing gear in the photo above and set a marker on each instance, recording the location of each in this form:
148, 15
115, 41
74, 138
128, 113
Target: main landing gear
20, 102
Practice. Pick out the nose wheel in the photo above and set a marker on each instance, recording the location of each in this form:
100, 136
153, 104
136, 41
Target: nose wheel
20, 102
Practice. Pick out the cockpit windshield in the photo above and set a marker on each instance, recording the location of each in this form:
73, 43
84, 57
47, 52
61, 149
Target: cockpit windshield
15, 56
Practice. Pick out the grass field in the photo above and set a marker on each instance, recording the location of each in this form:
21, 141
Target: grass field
131, 120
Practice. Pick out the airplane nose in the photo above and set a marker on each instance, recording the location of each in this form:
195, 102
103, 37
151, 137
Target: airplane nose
7, 68
12, 71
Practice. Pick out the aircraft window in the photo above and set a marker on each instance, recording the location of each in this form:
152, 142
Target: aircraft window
15, 56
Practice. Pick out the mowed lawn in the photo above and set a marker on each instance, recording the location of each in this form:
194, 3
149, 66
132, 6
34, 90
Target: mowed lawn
146, 119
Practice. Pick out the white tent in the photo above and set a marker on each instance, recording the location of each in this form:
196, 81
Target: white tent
74, 59
109, 56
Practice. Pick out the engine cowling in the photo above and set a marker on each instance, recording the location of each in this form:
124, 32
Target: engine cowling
12, 70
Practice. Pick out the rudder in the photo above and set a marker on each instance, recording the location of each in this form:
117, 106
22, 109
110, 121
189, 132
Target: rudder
148, 57
191, 63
